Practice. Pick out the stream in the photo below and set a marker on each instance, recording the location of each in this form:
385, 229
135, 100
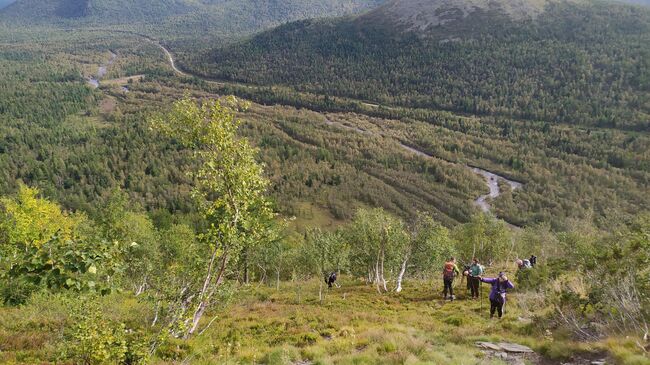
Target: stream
491, 179
101, 72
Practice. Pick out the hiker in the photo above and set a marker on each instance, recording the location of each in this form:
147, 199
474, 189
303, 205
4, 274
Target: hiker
500, 285
523, 264
449, 272
533, 260
475, 271
466, 275
331, 280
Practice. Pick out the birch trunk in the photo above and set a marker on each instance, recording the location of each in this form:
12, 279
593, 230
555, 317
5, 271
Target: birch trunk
377, 276
383, 280
207, 291
320, 292
401, 276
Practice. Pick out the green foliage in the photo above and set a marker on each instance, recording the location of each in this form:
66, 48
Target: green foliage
276, 258
67, 265
323, 252
484, 237
96, 339
231, 193
377, 240
432, 245
230, 185
46, 248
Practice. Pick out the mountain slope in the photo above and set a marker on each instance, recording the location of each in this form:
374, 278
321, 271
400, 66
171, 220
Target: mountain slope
573, 62
204, 13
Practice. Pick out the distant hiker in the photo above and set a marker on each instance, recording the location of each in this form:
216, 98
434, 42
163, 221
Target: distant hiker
533, 260
500, 285
331, 280
475, 271
523, 264
449, 272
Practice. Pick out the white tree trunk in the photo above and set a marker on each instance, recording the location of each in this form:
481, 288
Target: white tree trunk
377, 278
208, 290
383, 279
320, 292
400, 277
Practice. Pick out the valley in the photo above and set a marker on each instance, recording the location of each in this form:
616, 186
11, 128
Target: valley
180, 180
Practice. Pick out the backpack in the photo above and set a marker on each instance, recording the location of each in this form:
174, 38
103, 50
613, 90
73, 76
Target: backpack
448, 272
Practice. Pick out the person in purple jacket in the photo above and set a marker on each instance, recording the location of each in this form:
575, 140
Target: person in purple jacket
500, 285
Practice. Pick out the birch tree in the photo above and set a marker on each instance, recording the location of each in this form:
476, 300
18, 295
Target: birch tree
431, 245
322, 253
377, 242
229, 188
484, 237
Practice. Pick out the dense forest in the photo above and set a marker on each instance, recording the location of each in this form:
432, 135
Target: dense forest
584, 63
184, 24
324, 161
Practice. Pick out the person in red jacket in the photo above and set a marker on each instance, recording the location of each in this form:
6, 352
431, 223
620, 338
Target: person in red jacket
449, 272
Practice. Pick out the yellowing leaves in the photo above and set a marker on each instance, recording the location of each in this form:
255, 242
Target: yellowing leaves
31, 220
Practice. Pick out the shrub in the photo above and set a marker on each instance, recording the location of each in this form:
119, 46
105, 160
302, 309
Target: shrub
98, 340
306, 339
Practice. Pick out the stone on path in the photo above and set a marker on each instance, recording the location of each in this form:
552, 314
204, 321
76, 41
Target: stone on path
513, 347
505, 347
488, 345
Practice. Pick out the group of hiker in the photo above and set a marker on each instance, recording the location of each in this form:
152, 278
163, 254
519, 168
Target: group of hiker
474, 275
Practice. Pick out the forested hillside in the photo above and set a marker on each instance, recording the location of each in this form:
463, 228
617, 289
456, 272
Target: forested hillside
182, 20
78, 146
580, 63
153, 12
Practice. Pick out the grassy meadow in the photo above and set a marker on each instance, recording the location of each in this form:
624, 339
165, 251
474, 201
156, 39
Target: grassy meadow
353, 325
